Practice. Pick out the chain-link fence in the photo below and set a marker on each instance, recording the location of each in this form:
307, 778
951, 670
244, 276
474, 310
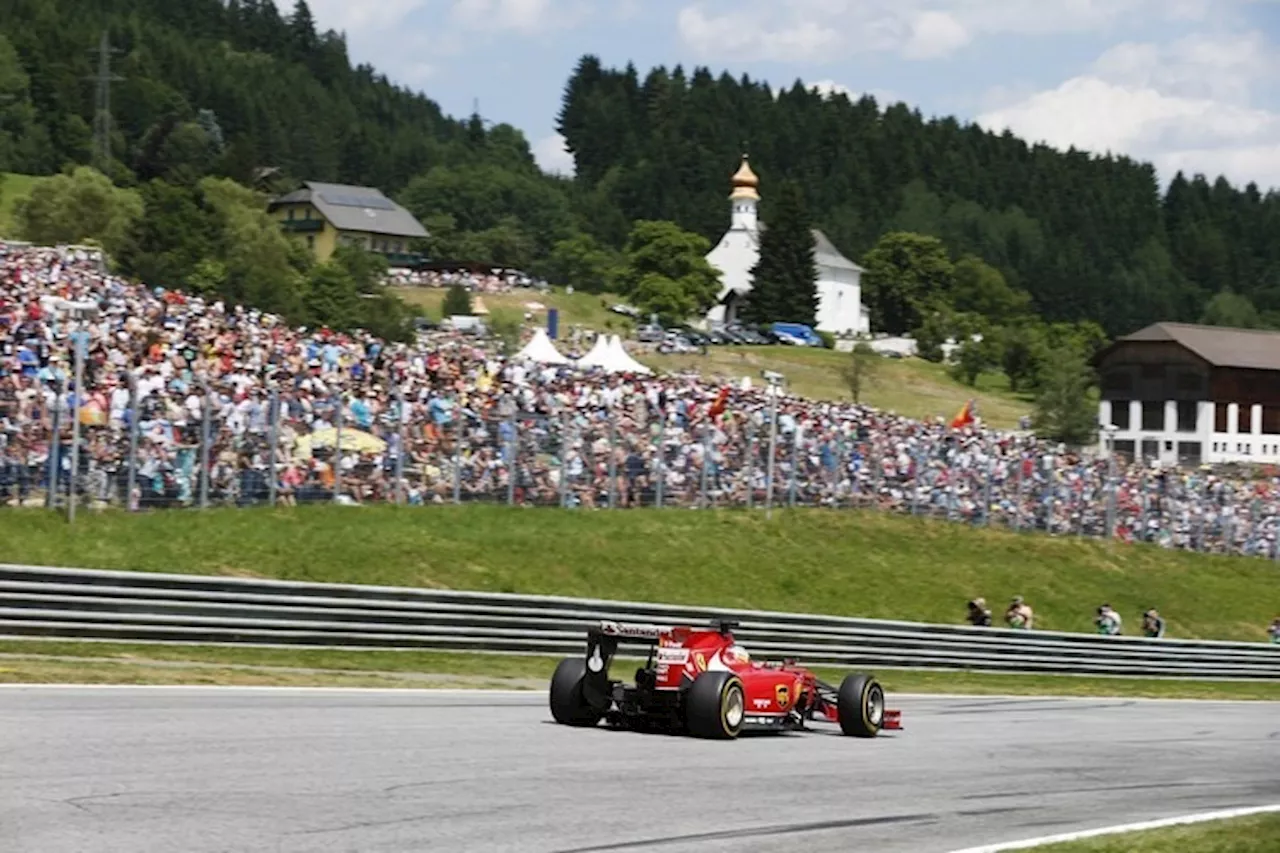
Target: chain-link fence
266, 446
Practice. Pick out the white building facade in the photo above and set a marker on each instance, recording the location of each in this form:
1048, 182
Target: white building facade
1183, 394
839, 280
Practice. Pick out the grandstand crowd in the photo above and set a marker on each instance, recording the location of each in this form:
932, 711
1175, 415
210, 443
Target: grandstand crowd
448, 418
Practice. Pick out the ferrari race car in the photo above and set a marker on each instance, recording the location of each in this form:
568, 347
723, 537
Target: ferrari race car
702, 683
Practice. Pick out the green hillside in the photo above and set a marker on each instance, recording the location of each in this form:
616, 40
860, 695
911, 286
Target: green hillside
12, 188
840, 562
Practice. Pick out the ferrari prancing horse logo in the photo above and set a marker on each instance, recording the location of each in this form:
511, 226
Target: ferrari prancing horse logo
783, 694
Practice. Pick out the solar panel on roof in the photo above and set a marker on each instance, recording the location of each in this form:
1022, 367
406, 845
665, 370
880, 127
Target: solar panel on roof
372, 202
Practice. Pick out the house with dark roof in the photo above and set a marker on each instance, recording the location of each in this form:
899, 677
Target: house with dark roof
1186, 394
327, 216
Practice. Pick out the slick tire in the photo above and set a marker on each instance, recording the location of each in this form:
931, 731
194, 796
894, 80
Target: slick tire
861, 706
569, 706
715, 705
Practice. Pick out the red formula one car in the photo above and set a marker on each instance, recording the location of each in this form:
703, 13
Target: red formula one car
701, 682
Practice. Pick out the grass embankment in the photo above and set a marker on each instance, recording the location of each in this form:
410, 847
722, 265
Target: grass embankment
841, 562
589, 310
1257, 834
909, 386
12, 188
44, 662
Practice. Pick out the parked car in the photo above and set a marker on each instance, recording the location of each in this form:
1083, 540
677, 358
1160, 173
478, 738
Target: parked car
650, 334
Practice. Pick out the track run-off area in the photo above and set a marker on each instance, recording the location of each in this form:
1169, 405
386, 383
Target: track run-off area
129, 770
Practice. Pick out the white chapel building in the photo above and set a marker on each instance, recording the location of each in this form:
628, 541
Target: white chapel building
839, 286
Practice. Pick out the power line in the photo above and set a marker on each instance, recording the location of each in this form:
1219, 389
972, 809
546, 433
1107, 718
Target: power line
102, 102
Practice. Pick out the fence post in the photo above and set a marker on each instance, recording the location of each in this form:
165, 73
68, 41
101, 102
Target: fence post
659, 466
915, 482
459, 414
513, 466
131, 480
986, 489
1111, 494
706, 460
55, 448
206, 422
751, 463
613, 459
773, 450
80, 341
795, 461
273, 443
402, 445
564, 460
1017, 492
337, 449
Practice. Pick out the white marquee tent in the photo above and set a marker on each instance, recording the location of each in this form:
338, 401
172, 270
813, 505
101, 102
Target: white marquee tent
620, 361
541, 350
597, 355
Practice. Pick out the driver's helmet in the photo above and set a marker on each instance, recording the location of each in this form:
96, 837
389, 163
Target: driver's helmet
736, 654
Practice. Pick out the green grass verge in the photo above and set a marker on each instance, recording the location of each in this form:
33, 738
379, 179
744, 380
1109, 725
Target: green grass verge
1257, 834
12, 188
841, 562
39, 661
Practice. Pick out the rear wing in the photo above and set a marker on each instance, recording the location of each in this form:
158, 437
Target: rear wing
648, 631
632, 630
604, 637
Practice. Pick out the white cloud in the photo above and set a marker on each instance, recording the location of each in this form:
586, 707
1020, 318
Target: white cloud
822, 30
552, 156
934, 35
526, 16
344, 15
1187, 105
739, 36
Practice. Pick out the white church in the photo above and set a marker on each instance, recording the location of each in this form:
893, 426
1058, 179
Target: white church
840, 308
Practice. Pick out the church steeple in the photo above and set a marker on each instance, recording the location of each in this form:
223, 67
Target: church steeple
745, 197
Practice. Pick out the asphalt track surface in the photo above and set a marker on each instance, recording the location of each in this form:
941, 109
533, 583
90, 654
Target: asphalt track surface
138, 770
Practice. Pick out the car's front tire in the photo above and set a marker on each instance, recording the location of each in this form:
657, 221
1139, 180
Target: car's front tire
715, 706
569, 706
860, 705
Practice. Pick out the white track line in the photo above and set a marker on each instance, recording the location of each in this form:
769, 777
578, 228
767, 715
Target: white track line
34, 685
258, 688
1202, 817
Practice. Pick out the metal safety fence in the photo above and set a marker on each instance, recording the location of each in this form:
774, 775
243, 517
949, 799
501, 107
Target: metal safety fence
204, 446
145, 607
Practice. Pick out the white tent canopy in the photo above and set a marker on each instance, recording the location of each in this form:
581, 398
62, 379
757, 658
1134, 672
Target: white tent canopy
597, 355
541, 350
620, 361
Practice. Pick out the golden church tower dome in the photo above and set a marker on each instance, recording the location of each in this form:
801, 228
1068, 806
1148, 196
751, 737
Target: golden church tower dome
745, 182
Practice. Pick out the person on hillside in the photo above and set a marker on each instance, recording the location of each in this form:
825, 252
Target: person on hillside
1108, 621
979, 613
1274, 631
1152, 624
1019, 615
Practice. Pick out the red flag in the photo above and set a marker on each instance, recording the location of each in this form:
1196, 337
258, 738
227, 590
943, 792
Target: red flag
964, 417
721, 403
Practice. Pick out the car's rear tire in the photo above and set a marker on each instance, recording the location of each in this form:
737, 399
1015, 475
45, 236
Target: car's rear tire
861, 705
569, 706
715, 706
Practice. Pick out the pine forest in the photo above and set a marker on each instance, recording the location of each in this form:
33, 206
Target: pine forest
218, 104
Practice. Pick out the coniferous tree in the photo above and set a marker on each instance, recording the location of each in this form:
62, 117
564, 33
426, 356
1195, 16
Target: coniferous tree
784, 279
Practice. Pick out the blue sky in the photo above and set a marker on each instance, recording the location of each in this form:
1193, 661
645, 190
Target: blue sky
1186, 84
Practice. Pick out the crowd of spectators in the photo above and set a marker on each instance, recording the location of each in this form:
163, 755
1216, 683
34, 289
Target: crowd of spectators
448, 418
475, 281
